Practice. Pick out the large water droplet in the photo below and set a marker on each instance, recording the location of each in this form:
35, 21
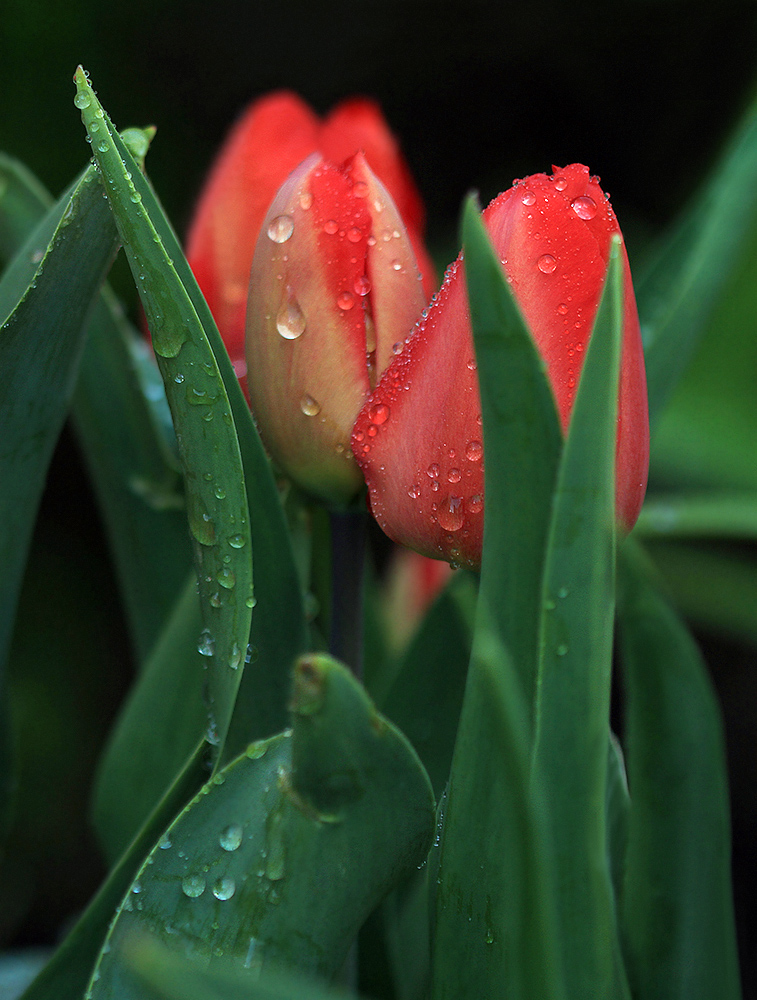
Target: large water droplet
206, 644
281, 228
237, 541
475, 505
560, 183
231, 837
331, 227
345, 301
546, 263
235, 656
82, 100
562, 309
528, 197
433, 470
473, 451
309, 406
226, 578
193, 886
379, 413
450, 514
453, 476
354, 235
584, 207
290, 319
362, 285
224, 888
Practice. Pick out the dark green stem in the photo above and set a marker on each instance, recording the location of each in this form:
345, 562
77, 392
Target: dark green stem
348, 535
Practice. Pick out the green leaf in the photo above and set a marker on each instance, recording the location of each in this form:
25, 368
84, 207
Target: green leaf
426, 697
119, 415
678, 923
683, 280
66, 975
166, 976
278, 627
208, 446
573, 702
522, 441
161, 721
494, 899
285, 852
44, 300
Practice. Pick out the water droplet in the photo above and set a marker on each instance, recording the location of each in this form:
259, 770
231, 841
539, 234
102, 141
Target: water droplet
224, 888
471, 365
82, 100
215, 600
178, 379
290, 319
562, 649
256, 750
354, 235
165, 842
414, 492
309, 406
398, 347
560, 183
379, 413
490, 937
345, 301
226, 578
549, 604
231, 837
206, 644
562, 309
360, 189
137, 887
135, 197
450, 513
281, 228
546, 263
433, 471
330, 227
220, 493
528, 197
237, 541
476, 504
562, 593
193, 886
473, 451
250, 601
453, 476
584, 207
362, 285
306, 200
396, 265
235, 656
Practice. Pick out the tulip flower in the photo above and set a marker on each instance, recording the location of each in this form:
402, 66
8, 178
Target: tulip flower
272, 138
334, 286
423, 460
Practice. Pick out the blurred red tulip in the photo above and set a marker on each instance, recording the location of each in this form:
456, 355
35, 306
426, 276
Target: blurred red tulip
424, 462
274, 136
334, 286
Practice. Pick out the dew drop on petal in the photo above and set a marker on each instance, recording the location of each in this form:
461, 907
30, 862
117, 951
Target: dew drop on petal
397, 347
433, 471
345, 301
306, 200
471, 365
546, 263
584, 207
290, 320
360, 189
330, 227
224, 888
396, 265
475, 504
309, 406
281, 228
528, 197
560, 183
354, 235
362, 285
379, 413
450, 514
454, 476
473, 451
562, 309
193, 886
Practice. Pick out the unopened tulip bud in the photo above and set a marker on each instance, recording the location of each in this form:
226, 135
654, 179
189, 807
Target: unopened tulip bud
334, 286
424, 461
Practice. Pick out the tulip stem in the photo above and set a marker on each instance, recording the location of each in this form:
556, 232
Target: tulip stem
348, 535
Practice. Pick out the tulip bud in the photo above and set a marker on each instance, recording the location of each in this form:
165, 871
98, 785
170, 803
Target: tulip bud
334, 286
274, 135
424, 462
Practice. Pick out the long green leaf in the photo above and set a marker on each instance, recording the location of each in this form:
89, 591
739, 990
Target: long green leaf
683, 280
117, 412
284, 853
522, 441
208, 446
278, 626
494, 899
678, 923
573, 704
44, 300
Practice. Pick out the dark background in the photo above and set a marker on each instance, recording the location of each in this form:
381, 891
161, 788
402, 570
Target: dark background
642, 91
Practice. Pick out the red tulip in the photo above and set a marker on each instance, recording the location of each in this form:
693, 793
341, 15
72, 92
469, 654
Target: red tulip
274, 136
423, 461
334, 286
